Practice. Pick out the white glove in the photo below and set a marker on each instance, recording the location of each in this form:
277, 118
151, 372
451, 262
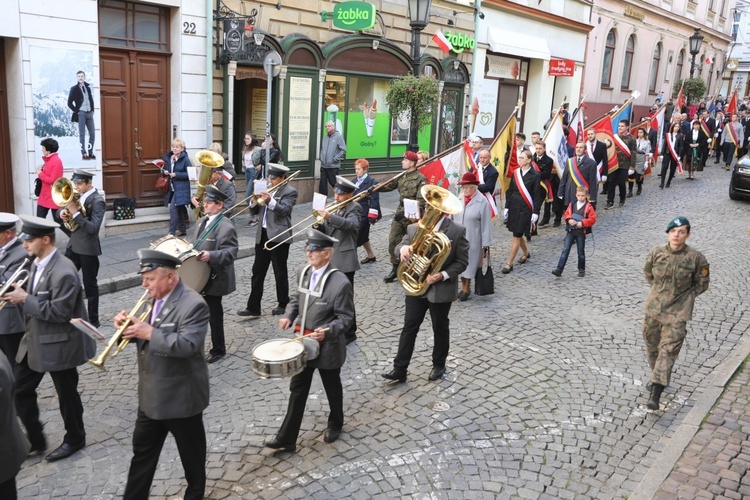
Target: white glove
631, 172
604, 178
716, 134
534, 218
505, 214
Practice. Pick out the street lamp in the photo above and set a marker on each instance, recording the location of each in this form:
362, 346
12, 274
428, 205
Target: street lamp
419, 16
696, 40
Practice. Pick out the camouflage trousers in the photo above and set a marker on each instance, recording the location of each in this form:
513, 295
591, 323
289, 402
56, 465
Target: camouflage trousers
663, 344
398, 231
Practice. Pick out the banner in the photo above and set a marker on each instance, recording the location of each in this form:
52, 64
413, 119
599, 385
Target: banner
502, 145
557, 143
605, 134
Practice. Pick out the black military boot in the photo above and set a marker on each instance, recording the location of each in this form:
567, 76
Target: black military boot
653, 400
630, 189
640, 188
391, 277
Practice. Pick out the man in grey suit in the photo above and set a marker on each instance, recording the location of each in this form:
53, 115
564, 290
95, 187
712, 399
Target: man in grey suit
173, 376
343, 226
216, 238
14, 447
275, 221
441, 293
51, 343
325, 304
12, 256
580, 169
84, 247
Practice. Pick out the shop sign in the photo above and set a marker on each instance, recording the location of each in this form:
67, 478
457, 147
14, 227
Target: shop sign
505, 67
352, 16
562, 67
634, 13
460, 41
733, 64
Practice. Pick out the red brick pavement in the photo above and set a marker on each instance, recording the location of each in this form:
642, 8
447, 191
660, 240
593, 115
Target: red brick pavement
716, 462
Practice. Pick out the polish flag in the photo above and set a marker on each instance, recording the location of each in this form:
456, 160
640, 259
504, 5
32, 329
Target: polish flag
709, 60
443, 43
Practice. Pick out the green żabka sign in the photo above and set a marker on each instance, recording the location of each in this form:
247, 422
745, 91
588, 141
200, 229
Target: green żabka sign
354, 16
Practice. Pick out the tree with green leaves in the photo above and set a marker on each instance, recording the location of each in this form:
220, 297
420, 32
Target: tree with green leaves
695, 88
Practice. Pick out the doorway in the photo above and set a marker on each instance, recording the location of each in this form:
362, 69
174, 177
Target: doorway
250, 98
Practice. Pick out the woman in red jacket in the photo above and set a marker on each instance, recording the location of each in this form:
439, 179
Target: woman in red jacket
579, 217
48, 174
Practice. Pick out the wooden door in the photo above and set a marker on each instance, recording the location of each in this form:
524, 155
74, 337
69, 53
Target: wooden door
135, 129
6, 166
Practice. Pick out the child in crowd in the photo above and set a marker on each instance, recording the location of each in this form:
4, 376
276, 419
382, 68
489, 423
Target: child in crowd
579, 217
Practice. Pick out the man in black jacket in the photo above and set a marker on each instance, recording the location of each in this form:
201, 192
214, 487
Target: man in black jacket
81, 102
550, 182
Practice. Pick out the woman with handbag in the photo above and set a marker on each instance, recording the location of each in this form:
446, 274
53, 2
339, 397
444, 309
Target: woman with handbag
177, 197
477, 219
48, 173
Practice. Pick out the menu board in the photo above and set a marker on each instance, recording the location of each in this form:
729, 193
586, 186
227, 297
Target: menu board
300, 103
260, 101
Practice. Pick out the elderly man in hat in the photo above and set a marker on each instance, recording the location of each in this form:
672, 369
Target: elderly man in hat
409, 186
173, 376
53, 297
12, 257
275, 220
325, 306
343, 226
84, 247
676, 274
216, 238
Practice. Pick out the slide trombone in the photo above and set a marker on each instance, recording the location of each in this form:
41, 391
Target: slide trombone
117, 342
256, 199
13, 279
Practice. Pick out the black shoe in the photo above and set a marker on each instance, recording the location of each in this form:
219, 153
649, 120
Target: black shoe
331, 435
64, 451
275, 444
581, 273
213, 358
276, 311
661, 186
524, 258
557, 223
653, 400
350, 338
622, 203
96, 324
252, 223
630, 194
462, 296
367, 260
92, 157
638, 191
669, 183
391, 277
506, 269
436, 373
544, 223
603, 192
248, 312
557, 272
716, 162
609, 205
395, 375
38, 448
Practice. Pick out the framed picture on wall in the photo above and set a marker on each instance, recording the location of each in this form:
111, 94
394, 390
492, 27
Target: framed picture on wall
400, 128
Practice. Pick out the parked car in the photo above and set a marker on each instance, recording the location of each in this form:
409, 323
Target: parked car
739, 184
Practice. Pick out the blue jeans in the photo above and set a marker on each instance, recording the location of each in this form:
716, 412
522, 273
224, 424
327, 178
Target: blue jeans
86, 121
580, 245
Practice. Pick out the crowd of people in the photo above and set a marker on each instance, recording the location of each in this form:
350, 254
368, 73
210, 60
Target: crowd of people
173, 374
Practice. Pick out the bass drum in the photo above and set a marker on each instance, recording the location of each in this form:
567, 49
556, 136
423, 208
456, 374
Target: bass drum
193, 272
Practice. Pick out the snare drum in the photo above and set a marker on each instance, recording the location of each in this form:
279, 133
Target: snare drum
279, 358
193, 272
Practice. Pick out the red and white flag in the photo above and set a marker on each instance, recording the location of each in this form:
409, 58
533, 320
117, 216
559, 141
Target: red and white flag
681, 97
709, 60
657, 124
442, 42
732, 104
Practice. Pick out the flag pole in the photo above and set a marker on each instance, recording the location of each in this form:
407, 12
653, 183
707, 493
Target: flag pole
575, 113
554, 117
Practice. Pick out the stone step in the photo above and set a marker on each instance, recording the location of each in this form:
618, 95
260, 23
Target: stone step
145, 219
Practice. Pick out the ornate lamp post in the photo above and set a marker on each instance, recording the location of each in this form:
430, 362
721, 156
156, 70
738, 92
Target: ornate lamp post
419, 17
696, 40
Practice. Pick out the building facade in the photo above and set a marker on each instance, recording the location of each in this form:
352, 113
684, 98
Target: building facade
643, 45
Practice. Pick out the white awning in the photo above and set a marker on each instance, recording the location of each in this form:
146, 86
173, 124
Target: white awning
505, 42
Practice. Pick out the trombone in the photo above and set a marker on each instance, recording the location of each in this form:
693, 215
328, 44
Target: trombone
256, 199
117, 342
13, 279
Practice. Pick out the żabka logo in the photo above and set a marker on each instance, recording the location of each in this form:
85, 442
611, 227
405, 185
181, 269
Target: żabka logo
354, 16
460, 41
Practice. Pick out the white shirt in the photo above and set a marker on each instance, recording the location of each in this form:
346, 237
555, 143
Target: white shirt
7, 245
82, 199
40, 265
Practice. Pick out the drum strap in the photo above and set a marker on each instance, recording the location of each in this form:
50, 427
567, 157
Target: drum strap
314, 293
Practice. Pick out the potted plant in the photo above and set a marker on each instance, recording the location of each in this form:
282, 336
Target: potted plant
413, 96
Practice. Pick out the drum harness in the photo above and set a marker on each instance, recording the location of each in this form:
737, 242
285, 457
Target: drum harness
307, 292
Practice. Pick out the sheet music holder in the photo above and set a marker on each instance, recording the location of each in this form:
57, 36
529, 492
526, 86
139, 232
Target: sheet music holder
88, 329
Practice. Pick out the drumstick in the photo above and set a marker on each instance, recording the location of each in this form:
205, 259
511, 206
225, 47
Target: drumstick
303, 336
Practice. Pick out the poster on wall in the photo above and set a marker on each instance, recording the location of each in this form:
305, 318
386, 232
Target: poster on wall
62, 97
482, 112
368, 119
300, 101
258, 119
401, 128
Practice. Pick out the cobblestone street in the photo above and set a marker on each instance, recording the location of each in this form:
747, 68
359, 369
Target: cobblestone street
544, 397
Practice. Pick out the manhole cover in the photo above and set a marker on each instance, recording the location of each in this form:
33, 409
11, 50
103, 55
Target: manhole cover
440, 406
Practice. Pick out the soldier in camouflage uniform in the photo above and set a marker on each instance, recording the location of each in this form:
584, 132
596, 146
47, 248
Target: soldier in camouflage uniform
677, 274
408, 187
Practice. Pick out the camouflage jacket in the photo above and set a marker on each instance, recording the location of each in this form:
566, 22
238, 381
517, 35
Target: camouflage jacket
408, 187
676, 278
623, 161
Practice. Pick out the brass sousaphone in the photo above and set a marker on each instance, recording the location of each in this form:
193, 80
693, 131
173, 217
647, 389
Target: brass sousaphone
208, 160
63, 193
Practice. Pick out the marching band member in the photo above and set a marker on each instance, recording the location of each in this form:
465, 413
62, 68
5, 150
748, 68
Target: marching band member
173, 376
51, 343
326, 306
84, 247
216, 238
276, 219
218, 180
14, 447
343, 226
12, 256
437, 299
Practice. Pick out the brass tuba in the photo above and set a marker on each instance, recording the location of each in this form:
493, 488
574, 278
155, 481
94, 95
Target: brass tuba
208, 160
64, 192
431, 248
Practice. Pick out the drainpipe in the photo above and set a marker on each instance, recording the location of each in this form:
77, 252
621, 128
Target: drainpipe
474, 66
210, 30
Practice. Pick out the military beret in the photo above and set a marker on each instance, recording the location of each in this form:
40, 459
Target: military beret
678, 221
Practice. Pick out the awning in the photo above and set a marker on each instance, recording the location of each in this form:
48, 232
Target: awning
505, 42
